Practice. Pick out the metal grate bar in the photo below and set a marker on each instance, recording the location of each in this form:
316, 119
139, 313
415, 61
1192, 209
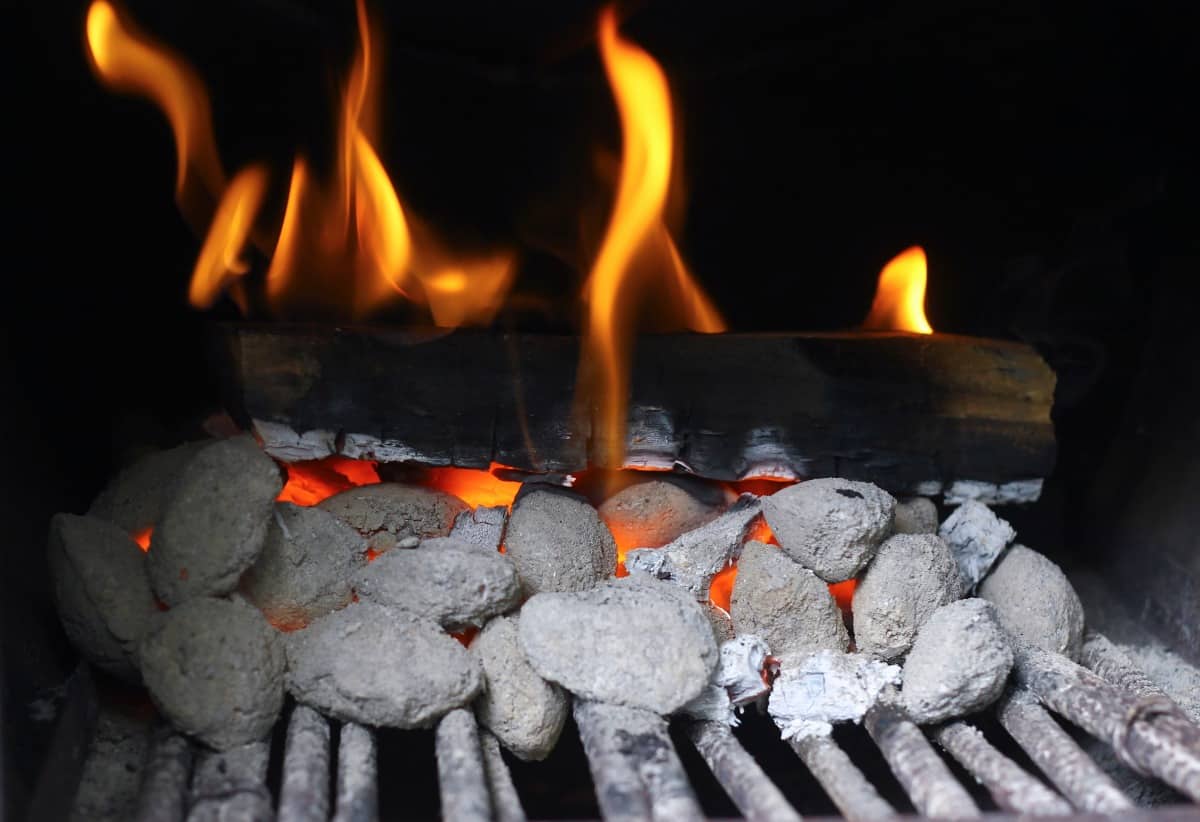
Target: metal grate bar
506, 804
851, 792
357, 778
231, 785
164, 790
304, 795
462, 777
739, 774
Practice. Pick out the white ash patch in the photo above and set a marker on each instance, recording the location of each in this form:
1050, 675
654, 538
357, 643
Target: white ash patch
825, 688
288, 445
976, 537
1007, 493
742, 675
693, 559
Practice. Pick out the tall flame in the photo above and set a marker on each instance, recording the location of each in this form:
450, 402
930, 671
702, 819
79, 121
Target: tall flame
220, 261
128, 60
637, 252
900, 296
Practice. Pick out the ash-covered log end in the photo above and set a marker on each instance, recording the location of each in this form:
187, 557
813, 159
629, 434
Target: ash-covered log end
558, 541
958, 664
831, 526
214, 667
1035, 601
911, 576
101, 590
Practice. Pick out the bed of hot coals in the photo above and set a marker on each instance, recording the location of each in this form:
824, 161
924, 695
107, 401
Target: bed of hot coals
393, 605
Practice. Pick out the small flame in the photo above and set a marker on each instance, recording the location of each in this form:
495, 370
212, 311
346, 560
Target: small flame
129, 61
475, 486
142, 538
900, 296
637, 252
220, 261
312, 481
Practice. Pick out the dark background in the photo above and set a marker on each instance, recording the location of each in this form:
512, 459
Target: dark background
1043, 154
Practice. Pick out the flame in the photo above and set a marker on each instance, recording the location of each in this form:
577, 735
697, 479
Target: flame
127, 60
637, 253
142, 538
312, 481
220, 260
900, 296
475, 486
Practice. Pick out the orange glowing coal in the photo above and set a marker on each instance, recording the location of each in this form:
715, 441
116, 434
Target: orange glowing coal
475, 486
312, 481
142, 537
900, 295
129, 61
638, 266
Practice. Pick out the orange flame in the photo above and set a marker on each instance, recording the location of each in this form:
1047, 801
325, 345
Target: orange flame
900, 296
475, 486
220, 261
637, 251
312, 481
129, 61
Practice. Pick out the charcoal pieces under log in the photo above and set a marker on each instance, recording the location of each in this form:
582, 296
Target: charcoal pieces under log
214, 667
379, 666
786, 604
101, 590
636, 642
976, 536
693, 559
306, 566
453, 583
1035, 602
135, 498
916, 515
653, 512
557, 541
958, 664
911, 576
215, 523
825, 688
388, 513
522, 710
483, 527
830, 526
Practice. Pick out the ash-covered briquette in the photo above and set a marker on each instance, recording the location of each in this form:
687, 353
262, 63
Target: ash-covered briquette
911, 576
557, 541
657, 511
720, 621
522, 710
214, 667
830, 526
483, 527
742, 675
787, 605
1035, 601
453, 583
135, 498
388, 513
306, 566
958, 664
693, 559
636, 642
827, 687
101, 590
215, 522
916, 515
380, 666
976, 536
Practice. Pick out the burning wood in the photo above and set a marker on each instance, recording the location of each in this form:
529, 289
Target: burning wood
390, 512
215, 522
1035, 602
523, 711
694, 558
911, 576
976, 536
958, 664
830, 526
785, 604
214, 668
378, 666
557, 541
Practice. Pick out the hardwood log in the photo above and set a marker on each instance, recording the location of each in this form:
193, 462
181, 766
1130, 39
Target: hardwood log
913, 413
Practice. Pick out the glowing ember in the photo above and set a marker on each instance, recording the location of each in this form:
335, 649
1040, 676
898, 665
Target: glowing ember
637, 252
761, 486
142, 537
721, 590
312, 481
900, 296
474, 486
843, 592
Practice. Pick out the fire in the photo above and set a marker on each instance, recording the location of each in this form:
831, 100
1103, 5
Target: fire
312, 481
142, 537
129, 61
720, 592
475, 486
637, 253
220, 261
900, 296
